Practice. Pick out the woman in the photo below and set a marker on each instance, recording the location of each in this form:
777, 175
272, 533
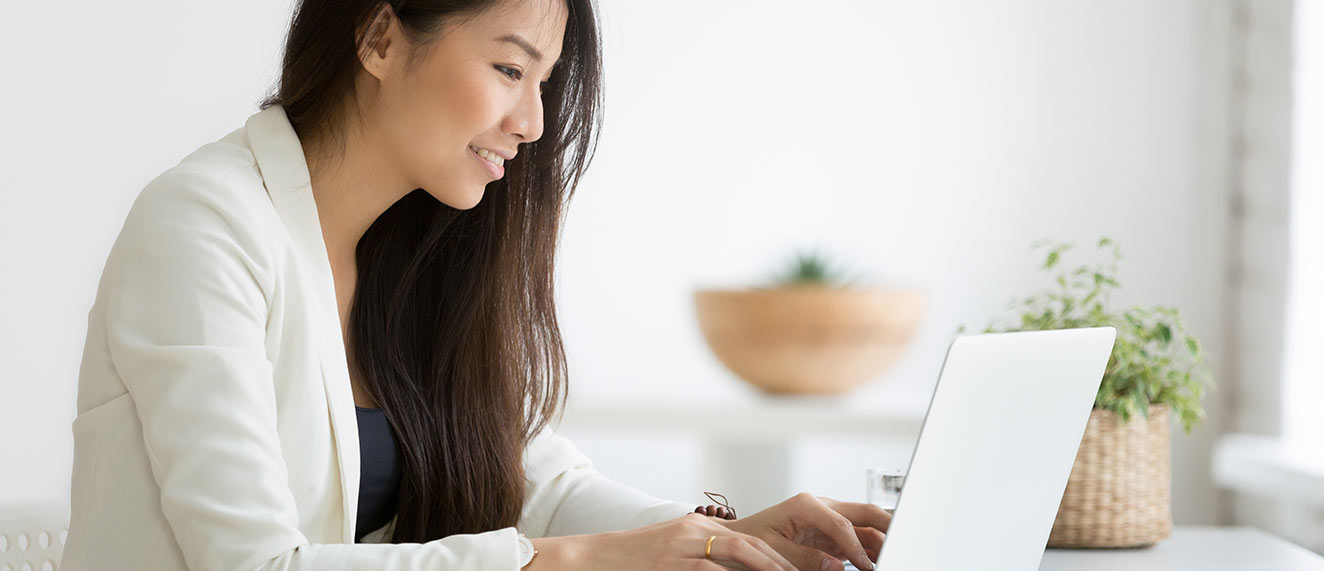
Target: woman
328, 341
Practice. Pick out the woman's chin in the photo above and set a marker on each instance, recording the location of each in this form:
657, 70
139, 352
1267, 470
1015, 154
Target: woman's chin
461, 201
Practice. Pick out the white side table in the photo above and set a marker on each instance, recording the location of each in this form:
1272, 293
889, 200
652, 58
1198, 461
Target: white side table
747, 444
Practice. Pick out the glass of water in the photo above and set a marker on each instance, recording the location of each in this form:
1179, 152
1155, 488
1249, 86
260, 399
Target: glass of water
884, 486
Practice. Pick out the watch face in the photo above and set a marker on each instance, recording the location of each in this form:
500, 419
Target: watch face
525, 550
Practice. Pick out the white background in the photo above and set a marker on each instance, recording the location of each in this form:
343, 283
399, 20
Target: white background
920, 143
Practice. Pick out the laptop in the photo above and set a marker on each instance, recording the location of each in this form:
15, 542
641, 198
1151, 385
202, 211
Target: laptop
995, 451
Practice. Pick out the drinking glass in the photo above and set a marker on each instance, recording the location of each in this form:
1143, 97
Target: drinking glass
884, 486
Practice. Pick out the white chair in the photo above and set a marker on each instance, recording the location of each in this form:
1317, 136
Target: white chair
32, 536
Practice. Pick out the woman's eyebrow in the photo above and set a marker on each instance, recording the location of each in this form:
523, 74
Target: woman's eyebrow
524, 44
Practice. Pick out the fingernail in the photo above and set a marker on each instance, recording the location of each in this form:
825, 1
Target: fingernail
827, 563
868, 565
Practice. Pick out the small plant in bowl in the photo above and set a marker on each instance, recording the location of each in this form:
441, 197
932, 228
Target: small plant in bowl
1118, 492
811, 269
807, 330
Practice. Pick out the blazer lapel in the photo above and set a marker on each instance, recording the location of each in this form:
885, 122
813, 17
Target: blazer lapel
284, 171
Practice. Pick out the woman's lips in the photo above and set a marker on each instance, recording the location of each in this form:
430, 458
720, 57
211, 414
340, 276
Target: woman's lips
496, 171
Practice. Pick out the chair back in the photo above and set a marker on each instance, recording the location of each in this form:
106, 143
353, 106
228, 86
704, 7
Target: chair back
32, 536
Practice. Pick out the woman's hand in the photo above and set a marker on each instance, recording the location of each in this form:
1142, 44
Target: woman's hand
674, 544
816, 533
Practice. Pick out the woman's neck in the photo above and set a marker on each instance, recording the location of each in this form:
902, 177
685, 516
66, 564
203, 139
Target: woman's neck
351, 189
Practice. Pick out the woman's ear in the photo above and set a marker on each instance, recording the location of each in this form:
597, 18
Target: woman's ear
374, 40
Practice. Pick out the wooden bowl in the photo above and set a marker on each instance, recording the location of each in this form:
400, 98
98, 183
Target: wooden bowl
808, 339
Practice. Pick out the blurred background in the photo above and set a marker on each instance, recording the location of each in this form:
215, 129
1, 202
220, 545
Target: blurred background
919, 145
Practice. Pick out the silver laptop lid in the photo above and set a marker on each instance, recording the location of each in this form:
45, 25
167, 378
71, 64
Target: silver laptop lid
996, 449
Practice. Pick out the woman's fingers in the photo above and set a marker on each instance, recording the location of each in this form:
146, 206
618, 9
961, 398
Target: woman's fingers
870, 538
763, 546
837, 527
868, 515
737, 549
807, 558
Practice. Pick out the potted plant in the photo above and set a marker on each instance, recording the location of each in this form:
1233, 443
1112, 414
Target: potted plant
808, 330
1118, 492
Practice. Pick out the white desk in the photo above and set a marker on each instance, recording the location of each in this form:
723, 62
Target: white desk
1194, 549
1189, 549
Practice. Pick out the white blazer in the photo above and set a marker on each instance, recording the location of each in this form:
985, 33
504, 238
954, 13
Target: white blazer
216, 426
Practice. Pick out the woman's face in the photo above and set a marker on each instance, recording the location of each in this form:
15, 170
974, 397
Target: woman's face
475, 91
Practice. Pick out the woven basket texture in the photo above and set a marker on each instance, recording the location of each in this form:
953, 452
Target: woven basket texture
1119, 491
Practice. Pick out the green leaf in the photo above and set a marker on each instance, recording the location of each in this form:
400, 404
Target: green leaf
1141, 402
1143, 368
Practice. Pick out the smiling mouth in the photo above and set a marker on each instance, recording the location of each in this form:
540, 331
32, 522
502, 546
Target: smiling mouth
488, 156
492, 162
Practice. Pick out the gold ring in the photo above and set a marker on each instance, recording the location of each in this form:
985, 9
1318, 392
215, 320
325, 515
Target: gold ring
709, 551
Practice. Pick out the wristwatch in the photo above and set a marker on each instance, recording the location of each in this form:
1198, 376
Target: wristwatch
526, 551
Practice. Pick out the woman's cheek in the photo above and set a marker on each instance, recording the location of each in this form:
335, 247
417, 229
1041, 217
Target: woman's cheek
483, 103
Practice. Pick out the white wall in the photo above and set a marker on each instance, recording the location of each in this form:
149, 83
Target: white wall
924, 143
96, 99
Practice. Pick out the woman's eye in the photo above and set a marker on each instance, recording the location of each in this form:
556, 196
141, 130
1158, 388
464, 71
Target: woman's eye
510, 72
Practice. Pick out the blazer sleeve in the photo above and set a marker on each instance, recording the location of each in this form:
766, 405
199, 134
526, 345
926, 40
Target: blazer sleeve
567, 496
187, 305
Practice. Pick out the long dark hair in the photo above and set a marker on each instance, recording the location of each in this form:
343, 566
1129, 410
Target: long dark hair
453, 325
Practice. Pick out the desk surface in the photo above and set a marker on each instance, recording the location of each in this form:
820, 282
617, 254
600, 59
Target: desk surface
1194, 548
1191, 549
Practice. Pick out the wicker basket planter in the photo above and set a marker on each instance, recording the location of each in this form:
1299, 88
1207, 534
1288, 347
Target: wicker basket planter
1118, 494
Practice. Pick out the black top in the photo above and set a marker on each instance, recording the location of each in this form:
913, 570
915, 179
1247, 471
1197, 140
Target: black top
379, 475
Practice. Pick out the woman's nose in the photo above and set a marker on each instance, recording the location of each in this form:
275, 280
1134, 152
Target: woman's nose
526, 120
